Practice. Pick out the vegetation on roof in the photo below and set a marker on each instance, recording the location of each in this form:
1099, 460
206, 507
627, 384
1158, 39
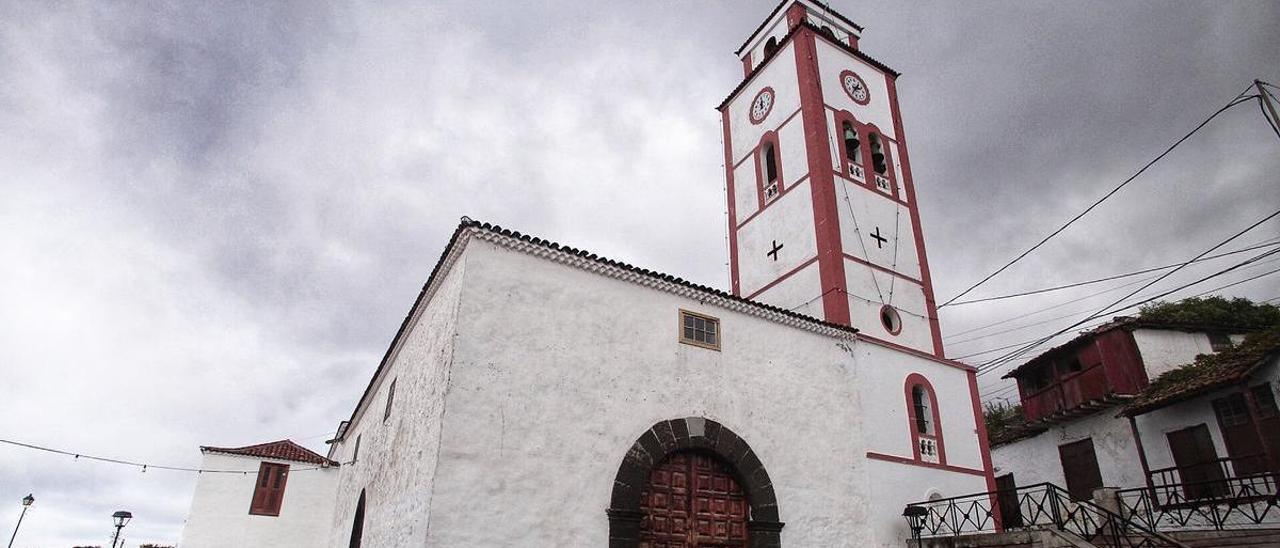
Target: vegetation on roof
1209, 370
1003, 420
1237, 312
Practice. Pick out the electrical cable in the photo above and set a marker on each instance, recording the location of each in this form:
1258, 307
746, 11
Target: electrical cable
144, 466
1273, 241
989, 366
1237, 100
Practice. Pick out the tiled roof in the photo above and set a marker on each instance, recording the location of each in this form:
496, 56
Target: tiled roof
1122, 322
282, 450
644, 276
1209, 372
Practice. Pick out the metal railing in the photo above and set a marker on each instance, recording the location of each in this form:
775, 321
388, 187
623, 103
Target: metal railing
1230, 503
1208, 472
1039, 506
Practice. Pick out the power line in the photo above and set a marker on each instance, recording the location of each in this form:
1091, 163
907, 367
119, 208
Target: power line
1239, 98
1068, 315
989, 366
144, 466
1271, 242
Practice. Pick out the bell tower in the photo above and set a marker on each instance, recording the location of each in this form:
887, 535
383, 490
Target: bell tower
822, 208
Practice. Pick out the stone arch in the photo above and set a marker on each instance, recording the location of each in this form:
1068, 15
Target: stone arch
667, 437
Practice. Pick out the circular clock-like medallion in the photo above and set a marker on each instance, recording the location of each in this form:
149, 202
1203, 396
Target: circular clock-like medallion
855, 87
761, 105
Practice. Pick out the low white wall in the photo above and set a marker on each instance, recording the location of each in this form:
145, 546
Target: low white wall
1163, 350
219, 515
1036, 459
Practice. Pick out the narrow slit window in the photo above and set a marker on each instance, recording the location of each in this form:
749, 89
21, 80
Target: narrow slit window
770, 163
355, 454
699, 330
920, 400
391, 396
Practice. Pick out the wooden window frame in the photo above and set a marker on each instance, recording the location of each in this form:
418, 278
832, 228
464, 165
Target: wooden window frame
694, 342
274, 496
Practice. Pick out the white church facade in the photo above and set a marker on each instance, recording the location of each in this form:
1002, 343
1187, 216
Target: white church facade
540, 395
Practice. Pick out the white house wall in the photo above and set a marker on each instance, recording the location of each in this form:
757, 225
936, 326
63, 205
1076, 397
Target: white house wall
397, 462
1163, 350
220, 515
1036, 459
558, 371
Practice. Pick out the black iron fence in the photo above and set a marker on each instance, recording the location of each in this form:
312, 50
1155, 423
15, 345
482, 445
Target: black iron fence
1227, 503
1039, 506
1205, 474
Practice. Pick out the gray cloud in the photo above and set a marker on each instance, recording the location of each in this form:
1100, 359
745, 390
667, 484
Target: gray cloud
215, 217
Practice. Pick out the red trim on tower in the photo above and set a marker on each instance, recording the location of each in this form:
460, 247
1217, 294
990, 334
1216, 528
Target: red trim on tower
983, 445
826, 211
733, 204
930, 302
853, 40
784, 276
795, 14
870, 264
782, 193
912, 462
914, 352
913, 380
746, 64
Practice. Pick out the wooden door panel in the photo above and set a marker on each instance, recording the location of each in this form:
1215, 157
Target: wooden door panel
1197, 462
692, 500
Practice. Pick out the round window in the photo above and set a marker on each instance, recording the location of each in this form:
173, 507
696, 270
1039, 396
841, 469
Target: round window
890, 319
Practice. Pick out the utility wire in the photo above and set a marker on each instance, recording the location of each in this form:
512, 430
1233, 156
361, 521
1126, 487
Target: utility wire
144, 466
1273, 241
989, 366
1237, 100
1059, 305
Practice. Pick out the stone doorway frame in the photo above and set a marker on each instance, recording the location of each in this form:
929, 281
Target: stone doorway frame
666, 437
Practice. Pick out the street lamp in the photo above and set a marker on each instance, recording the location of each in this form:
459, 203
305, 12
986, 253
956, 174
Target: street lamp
915, 518
27, 501
121, 518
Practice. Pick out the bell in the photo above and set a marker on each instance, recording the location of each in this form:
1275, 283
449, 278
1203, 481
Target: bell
877, 161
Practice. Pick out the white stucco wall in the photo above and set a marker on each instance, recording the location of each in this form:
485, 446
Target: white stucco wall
1036, 459
1163, 350
558, 371
220, 517
779, 75
788, 221
397, 460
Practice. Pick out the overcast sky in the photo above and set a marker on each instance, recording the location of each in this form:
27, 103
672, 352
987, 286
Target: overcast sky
214, 216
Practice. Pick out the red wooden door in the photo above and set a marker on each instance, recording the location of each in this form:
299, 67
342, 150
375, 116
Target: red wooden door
693, 501
1197, 462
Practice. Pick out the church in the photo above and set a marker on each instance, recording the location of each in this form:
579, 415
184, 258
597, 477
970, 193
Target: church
537, 394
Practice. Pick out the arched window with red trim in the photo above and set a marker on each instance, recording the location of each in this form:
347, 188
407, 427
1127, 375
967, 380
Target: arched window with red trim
769, 168
925, 422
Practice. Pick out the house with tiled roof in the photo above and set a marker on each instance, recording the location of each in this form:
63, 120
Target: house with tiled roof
267, 494
1148, 408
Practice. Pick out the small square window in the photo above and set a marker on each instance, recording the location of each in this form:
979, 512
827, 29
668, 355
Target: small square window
699, 330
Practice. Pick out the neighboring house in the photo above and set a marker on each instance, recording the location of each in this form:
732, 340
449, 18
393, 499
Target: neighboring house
281, 496
1127, 405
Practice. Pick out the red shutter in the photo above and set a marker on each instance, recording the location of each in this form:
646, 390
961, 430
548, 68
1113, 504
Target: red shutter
268, 491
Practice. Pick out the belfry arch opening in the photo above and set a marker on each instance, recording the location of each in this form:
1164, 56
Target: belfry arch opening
732, 474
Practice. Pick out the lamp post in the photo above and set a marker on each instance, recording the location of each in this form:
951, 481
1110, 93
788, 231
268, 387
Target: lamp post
27, 501
915, 518
121, 518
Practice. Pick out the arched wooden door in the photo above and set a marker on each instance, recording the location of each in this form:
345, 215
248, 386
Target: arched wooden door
692, 500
